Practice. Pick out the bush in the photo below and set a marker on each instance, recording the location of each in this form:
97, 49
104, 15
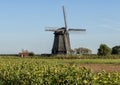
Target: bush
31, 54
104, 50
116, 50
41, 72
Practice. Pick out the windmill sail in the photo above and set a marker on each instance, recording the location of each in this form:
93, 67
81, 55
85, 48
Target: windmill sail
76, 29
64, 14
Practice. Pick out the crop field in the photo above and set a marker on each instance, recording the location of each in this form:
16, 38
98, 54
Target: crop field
36, 71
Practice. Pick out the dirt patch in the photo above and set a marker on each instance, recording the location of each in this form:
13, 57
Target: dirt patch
101, 67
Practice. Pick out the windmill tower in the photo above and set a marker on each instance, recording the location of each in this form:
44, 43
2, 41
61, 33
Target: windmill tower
61, 43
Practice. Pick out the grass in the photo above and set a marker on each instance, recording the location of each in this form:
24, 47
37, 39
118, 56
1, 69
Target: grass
61, 61
93, 61
64, 61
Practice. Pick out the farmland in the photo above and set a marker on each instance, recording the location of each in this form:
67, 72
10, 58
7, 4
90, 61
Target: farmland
41, 71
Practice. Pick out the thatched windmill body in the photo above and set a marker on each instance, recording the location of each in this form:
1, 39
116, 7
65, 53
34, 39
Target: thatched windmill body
61, 43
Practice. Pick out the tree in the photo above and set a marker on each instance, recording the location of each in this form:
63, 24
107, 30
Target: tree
104, 50
116, 50
31, 54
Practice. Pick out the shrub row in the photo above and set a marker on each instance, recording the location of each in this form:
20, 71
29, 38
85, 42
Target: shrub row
36, 72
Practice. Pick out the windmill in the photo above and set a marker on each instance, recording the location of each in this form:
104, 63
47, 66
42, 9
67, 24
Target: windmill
61, 43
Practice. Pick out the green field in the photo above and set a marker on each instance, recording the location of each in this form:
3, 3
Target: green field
36, 71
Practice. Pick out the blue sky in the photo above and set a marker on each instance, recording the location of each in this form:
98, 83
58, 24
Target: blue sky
23, 22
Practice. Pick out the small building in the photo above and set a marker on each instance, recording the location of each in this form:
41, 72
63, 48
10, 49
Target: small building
24, 53
82, 51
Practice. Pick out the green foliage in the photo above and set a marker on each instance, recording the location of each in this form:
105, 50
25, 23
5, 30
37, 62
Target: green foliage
116, 50
31, 54
104, 50
47, 72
